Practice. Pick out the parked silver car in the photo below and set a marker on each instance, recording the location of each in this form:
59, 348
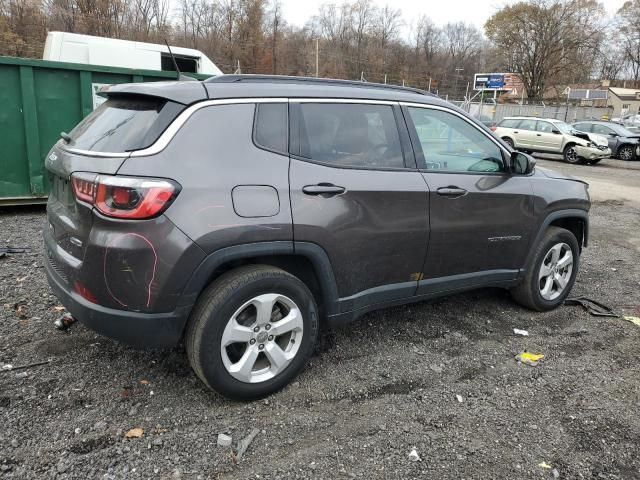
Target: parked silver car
548, 135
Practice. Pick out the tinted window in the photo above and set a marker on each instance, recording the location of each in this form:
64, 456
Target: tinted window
509, 123
601, 129
355, 135
271, 126
545, 127
450, 143
185, 64
124, 124
527, 125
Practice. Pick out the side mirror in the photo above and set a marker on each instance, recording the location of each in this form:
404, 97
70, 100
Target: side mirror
521, 163
556, 131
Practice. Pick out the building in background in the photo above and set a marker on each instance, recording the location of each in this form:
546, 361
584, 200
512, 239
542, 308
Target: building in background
624, 101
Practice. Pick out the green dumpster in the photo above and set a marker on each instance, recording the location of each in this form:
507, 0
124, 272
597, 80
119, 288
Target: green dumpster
38, 100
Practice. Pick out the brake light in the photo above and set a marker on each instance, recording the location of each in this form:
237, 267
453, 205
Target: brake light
124, 197
493, 129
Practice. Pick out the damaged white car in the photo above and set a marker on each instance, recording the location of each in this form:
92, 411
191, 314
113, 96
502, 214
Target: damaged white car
548, 135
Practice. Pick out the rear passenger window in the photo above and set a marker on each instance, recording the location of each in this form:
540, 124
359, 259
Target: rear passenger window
509, 123
527, 125
271, 127
350, 135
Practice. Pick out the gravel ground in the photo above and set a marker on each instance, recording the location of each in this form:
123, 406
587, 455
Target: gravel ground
386, 384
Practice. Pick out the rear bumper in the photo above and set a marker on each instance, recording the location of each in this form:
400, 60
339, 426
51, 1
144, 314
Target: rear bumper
143, 330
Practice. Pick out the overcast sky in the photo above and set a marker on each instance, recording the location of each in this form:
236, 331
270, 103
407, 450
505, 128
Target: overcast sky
297, 12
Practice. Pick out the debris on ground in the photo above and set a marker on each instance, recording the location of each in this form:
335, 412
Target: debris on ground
524, 333
243, 444
632, 319
134, 433
528, 358
64, 322
5, 250
459, 398
414, 457
8, 367
224, 440
436, 368
592, 306
555, 473
544, 465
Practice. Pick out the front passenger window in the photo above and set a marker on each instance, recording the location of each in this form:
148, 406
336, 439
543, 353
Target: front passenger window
451, 144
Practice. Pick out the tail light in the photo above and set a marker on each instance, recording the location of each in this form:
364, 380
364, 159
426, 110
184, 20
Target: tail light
124, 197
493, 128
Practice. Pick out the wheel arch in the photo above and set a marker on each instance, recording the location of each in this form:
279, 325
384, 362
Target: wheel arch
307, 261
574, 220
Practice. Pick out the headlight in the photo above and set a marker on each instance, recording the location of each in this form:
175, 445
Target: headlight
591, 144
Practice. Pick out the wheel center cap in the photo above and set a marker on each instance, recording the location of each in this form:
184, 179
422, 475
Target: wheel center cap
262, 337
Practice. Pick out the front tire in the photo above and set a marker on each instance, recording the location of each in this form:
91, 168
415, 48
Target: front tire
571, 155
252, 331
626, 153
508, 141
552, 272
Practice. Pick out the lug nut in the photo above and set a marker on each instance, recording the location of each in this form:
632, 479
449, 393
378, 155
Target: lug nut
267, 326
261, 346
256, 329
270, 337
252, 341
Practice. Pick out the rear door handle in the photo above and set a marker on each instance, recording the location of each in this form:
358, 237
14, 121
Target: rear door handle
451, 191
538, 134
324, 189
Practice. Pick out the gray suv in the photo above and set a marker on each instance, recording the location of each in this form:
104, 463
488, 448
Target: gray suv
243, 214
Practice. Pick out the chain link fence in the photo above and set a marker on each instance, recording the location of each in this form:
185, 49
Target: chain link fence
569, 113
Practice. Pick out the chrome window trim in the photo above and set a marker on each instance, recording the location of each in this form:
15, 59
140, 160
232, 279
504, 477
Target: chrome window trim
163, 140
166, 136
453, 112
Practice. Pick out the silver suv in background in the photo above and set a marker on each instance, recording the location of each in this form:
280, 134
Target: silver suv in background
548, 135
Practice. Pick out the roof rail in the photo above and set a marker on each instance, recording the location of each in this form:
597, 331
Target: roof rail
233, 78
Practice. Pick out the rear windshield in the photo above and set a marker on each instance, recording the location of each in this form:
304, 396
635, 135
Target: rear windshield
123, 124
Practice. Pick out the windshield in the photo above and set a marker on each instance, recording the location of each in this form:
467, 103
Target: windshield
123, 124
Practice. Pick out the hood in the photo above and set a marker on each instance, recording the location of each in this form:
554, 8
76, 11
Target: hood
599, 140
558, 175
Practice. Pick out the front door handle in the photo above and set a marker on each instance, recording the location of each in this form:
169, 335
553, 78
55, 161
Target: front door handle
324, 189
451, 191
538, 134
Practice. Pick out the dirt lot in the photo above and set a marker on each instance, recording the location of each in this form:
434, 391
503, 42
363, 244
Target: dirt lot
387, 384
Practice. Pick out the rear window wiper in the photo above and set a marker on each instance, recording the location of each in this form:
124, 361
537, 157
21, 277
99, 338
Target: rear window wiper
65, 136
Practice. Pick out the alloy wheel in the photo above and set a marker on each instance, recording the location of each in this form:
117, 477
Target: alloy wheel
262, 338
626, 153
571, 155
555, 271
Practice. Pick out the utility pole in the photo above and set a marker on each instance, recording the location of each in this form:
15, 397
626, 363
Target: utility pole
429, 84
385, 78
317, 50
458, 70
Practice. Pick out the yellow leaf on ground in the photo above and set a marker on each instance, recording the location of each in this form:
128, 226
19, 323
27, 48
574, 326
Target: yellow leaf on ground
529, 358
134, 433
632, 319
544, 465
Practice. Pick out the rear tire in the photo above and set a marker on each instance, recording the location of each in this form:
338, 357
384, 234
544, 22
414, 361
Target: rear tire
252, 331
570, 155
550, 276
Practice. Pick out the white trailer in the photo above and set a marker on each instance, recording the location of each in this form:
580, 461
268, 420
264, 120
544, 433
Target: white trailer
87, 49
